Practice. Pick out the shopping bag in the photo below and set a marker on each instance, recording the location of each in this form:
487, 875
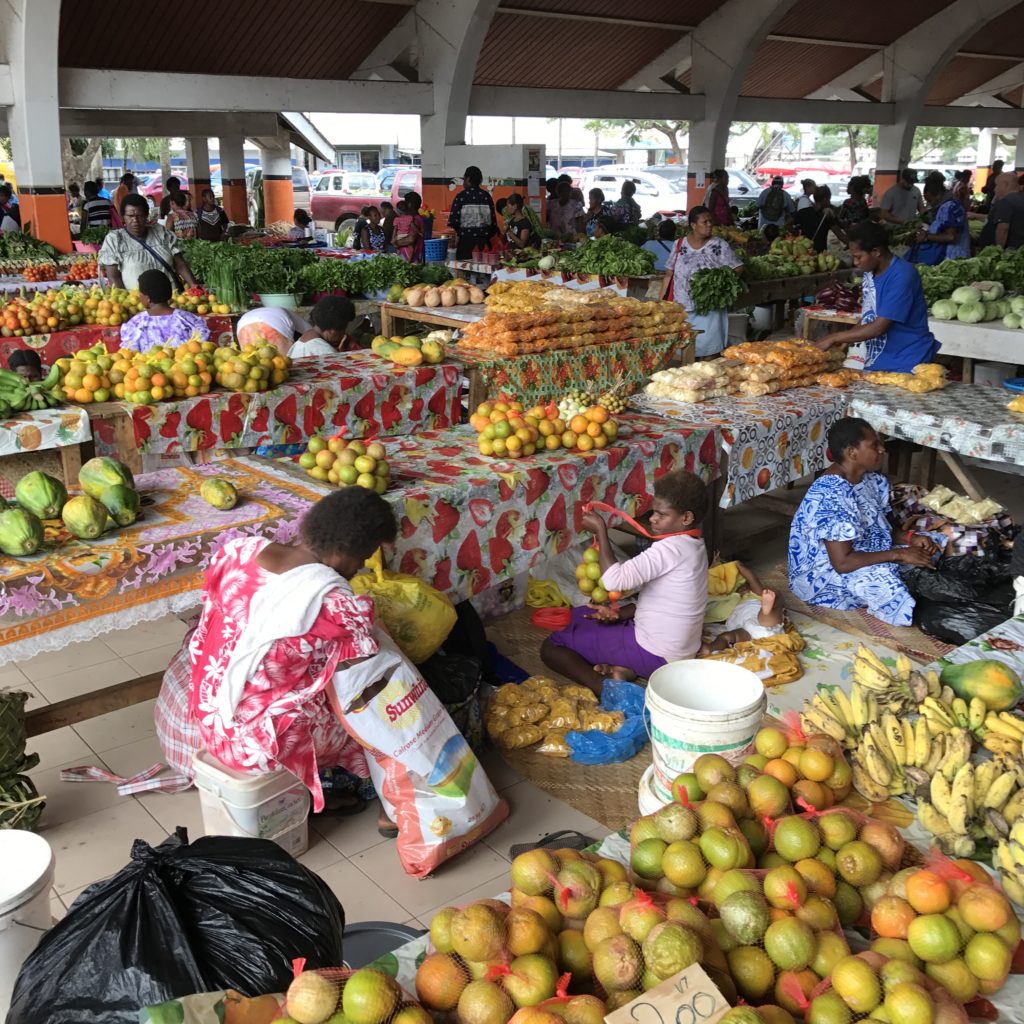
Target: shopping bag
425, 772
221, 913
414, 613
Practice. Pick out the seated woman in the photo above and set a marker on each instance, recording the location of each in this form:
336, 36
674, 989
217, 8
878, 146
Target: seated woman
277, 622
841, 552
159, 323
328, 319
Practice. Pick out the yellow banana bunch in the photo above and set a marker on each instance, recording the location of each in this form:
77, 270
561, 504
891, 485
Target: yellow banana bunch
1008, 859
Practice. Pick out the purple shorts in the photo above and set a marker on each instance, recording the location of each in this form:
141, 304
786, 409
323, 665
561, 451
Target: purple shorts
606, 643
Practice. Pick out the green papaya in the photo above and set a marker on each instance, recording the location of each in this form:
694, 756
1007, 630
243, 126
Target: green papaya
21, 532
102, 472
41, 494
85, 517
995, 683
122, 503
220, 493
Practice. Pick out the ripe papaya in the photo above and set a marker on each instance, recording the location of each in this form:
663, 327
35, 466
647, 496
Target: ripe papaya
406, 355
84, 517
41, 494
122, 503
102, 472
433, 352
219, 493
995, 683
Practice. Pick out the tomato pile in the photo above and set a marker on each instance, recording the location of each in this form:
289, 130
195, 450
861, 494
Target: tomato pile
39, 272
82, 270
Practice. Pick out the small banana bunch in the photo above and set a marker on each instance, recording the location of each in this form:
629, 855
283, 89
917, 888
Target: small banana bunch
1008, 857
875, 692
17, 394
1003, 733
974, 802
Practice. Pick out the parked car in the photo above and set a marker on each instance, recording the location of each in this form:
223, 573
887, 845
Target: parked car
254, 190
336, 206
153, 187
655, 193
386, 176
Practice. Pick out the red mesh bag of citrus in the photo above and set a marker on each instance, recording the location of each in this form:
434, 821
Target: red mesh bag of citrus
365, 996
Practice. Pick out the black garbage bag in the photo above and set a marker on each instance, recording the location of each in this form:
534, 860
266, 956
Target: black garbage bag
222, 912
958, 623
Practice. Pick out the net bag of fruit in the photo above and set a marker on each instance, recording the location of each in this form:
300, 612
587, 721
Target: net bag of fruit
415, 614
425, 773
954, 919
364, 996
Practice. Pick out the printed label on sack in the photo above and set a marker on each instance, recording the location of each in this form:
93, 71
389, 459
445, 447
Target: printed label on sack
689, 997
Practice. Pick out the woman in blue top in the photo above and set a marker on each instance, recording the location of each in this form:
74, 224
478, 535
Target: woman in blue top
947, 237
841, 553
893, 333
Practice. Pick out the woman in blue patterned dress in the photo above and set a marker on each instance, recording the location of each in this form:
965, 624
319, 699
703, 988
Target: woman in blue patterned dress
841, 553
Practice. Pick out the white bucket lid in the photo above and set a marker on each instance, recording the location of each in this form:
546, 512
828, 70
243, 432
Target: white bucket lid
28, 867
697, 688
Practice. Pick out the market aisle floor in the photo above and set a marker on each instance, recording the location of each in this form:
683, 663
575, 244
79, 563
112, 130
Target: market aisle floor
91, 828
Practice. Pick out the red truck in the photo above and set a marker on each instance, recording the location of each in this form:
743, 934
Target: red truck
340, 195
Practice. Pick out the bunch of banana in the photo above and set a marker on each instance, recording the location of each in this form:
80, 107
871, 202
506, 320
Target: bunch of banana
1003, 733
977, 802
896, 692
21, 395
1008, 857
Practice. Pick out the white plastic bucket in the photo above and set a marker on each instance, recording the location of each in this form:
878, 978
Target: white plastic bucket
25, 882
700, 707
647, 800
264, 805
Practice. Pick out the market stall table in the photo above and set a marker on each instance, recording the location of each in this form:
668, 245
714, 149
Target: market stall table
960, 420
450, 317
1004, 643
13, 285
641, 286
65, 429
355, 392
768, 442
782, 289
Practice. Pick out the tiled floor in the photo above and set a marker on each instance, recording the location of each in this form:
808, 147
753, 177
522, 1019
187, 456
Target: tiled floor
91, 828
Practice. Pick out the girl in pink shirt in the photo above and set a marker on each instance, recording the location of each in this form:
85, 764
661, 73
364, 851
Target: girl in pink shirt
672, 579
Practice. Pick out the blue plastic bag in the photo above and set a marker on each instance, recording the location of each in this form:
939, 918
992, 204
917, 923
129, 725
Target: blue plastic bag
595, 747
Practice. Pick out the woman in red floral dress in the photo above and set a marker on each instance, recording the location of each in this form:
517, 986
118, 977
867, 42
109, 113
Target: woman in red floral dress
277, 622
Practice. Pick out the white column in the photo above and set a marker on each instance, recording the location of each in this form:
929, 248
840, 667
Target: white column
986, 154
278, 196
197, 156
1018, 158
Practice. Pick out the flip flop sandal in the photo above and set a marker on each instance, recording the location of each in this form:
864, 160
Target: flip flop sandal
568, 839
388, 831
357, 806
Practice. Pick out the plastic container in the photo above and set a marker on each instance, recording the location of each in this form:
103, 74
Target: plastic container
646, 798
86, 246
700, 707
261, 805
435, 250
24, 903
369, 940
279, 300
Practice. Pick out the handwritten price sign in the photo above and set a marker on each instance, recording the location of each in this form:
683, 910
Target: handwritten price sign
689, 997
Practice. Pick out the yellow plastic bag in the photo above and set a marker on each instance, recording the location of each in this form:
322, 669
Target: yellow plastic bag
417, 616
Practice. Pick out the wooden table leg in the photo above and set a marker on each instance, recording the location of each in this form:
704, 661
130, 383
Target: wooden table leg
72, 457
809, 319
386, 324
968, 372
963, 475
124, 440
477, 391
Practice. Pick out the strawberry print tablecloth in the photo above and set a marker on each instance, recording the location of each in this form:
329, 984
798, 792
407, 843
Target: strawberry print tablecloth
76, 589
968, 419
353, 391
42, 429
770, 441
543, 375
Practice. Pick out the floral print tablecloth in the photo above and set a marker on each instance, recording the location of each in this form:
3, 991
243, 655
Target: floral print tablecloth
771, 441
43, 429
357, 392
76, 589
543, 375
1003, 643
968, 419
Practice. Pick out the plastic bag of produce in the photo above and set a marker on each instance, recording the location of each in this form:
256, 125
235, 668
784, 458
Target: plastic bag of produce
425, 772
220, 913
415, 614
595, 746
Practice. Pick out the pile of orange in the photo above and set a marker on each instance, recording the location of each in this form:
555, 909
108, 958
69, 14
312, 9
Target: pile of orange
251, 369
813, 768
59, 309
508, 430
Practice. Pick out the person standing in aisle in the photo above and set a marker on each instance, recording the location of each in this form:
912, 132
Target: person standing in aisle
716, 199
519, 230
173, 188
102, 189
855, 206
774, 206
96, 211
372, 237
127, 185
700, 250
988, 190
598, 208
947, 237
663, 245
902, 202
181, 220
806, 201
817, 220
1006, 219
472, 216
213, 222
626, 210
565, 214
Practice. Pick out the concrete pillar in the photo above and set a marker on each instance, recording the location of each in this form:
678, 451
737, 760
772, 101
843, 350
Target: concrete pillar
451, 33
278, 195
894, 145
197, 157
1018, 157
34, 119
986, 154
232, 178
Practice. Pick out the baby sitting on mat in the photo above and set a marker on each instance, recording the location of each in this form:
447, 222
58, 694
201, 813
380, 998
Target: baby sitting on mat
758, 615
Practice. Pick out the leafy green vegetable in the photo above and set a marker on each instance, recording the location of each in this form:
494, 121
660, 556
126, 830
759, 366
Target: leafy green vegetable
714, 288
609, 255
94, 236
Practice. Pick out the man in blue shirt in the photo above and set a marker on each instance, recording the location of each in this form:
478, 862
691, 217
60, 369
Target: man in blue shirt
893, 334
103, 192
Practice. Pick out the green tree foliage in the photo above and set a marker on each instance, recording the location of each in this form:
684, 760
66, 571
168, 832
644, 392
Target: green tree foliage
634, 130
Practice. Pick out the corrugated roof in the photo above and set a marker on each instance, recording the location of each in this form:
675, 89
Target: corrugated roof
672, 12
1003, 35
792, 70
962, 74
565, 54
317, 39
868, 21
